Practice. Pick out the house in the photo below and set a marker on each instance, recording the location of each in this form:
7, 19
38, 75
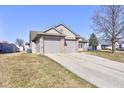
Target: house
58, 39
21, 48
8, 47
103, 44
26, 46
121, 45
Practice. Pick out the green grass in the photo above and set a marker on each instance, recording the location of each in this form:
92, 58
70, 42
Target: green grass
29, 70
107, 54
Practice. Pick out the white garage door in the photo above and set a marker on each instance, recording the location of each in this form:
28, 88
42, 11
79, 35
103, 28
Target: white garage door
52, 45
70, 46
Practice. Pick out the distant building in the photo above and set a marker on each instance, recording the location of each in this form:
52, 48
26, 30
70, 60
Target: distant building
103, 44
8, 47
121, 45
26, 46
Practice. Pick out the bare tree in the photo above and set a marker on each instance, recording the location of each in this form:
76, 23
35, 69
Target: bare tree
20, 42
109, 21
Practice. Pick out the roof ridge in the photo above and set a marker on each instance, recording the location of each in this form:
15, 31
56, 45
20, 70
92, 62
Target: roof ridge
57, 31
53, 29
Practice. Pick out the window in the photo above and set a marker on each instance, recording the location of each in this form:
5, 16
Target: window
120, 46
80, 45
65, 44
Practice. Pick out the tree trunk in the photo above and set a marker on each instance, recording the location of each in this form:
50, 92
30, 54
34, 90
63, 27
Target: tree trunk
113, 47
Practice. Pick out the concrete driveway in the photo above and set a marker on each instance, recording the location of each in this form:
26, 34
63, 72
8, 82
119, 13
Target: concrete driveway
99, 71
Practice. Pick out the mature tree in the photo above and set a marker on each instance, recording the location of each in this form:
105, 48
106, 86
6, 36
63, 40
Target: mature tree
109, 21
93, 42
20, 42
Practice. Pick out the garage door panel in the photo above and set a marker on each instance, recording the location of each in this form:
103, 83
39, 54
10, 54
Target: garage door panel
51, 45
70, 46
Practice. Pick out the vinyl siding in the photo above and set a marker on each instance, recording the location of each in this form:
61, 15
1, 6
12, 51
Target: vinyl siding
66, 32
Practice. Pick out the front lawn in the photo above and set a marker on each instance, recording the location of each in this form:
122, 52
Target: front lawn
29, 70
107, 54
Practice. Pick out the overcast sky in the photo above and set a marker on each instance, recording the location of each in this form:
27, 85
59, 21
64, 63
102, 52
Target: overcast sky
17, 21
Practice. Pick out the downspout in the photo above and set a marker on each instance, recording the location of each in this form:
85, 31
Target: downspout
43, 45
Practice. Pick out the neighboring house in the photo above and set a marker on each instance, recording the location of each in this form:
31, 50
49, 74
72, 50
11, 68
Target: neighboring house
26, 46
8, 47
121, 45
58, 39
103, 44
21, 48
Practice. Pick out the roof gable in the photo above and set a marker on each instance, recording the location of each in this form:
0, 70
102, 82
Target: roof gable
52, 31
60, 30
66, 31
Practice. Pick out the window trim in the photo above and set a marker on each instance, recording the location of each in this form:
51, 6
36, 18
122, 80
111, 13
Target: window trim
80, 44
